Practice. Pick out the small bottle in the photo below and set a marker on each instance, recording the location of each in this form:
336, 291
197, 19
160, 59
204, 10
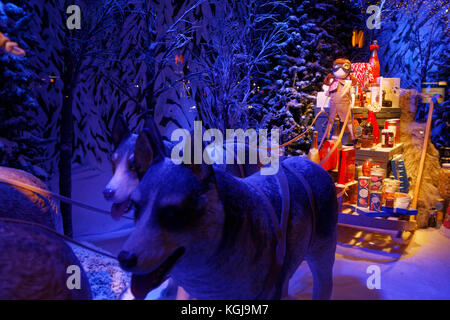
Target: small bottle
368, 128
374, 62
313, 154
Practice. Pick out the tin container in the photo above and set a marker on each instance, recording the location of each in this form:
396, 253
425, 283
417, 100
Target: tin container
390, 187
389, 202
363, 192
376, 179
375, 201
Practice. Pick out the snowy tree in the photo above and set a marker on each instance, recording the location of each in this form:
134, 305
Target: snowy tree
164, 31
319, 32
241, 39
413, 41
22, 145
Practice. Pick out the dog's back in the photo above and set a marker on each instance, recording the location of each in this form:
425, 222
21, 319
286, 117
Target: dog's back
248, 237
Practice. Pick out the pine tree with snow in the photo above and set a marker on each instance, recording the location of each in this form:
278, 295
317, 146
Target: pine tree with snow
319, 32
21, 143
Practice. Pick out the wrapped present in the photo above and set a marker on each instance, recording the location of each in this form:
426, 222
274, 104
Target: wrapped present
362, 71
347, 165
332, 160
391, 88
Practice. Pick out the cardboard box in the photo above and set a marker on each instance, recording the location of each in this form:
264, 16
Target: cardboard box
347, 165
382, 116
333, 160
380, 156
391, 86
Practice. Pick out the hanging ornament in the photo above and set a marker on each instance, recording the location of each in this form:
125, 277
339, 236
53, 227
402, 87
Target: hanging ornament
358, 38
179, 59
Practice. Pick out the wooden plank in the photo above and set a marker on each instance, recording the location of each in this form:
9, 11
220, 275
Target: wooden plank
378, 223
423, 156
385, 212
379, 155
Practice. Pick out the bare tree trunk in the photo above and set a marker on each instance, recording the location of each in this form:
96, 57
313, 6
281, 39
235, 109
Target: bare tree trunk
66, 144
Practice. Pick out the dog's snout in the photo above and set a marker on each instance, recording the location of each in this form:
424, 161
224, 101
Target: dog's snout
127, 260
108, 193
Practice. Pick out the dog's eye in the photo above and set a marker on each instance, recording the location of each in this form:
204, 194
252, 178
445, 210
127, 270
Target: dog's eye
175, 217
131, 167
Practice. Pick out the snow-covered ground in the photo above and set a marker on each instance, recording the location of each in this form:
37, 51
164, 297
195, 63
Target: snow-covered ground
419, 269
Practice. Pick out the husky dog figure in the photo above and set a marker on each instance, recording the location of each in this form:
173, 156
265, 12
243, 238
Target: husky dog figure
125, 178
215, 234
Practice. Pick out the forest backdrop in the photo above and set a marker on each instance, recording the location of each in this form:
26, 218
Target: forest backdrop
230, 63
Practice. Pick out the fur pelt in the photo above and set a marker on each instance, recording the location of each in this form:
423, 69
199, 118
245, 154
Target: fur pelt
412, 136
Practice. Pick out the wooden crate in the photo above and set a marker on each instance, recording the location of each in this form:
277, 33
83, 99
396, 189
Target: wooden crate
380, 156
382, 116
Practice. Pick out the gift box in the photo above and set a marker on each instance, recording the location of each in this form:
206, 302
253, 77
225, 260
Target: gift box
362, 71
332, 160
391, 88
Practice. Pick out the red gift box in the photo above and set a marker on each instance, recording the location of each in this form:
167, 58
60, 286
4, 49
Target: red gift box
332, 160
347, 165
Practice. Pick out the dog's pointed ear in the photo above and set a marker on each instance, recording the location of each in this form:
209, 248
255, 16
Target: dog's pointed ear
148, 149
120, 130
201, 164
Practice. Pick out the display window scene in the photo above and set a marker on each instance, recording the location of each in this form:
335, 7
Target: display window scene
224, 150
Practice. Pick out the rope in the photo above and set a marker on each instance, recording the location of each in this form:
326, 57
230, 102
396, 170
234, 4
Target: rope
66, 238
300, 135
47, 193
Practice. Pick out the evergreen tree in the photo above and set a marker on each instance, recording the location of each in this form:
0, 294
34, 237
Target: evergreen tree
319, 32
21, 143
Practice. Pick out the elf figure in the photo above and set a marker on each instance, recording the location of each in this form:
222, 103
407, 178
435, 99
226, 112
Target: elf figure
338, 89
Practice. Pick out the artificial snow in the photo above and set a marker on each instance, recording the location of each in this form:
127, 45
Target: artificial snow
417, 269
108, 281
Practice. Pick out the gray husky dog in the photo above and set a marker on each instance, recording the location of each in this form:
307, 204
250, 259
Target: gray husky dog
125, 178
214, 233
